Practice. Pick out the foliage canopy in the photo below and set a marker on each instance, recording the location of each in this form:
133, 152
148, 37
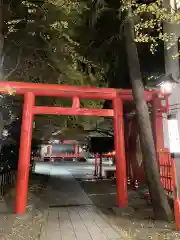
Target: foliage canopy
67, 42
40, 45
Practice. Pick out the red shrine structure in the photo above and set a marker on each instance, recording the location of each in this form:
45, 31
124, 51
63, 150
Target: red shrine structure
127, 163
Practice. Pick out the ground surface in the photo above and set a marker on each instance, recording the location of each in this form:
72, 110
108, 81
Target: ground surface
66, 207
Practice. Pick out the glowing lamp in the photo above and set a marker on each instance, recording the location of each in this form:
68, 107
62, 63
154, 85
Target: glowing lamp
167, 83
167, 87
173, 130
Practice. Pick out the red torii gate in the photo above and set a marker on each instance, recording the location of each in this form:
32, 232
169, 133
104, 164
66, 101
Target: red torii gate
31, 90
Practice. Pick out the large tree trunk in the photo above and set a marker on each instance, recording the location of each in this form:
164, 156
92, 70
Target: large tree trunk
171, 63
1, 65
161, 207
1, 39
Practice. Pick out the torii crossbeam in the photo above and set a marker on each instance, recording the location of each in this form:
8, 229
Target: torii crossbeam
31, 90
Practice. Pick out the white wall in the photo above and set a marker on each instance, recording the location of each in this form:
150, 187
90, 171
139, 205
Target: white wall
174, 103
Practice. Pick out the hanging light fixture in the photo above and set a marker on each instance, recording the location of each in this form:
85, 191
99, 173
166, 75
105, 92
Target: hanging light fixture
167, 83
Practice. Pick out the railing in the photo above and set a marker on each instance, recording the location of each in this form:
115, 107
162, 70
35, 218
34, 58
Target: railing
65, 155
7, 180
165, 169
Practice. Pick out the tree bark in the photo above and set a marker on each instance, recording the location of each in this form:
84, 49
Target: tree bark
160, 204
171, 63
1, 39
1, 64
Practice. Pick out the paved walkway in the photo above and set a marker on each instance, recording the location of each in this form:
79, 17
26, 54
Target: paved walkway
72, 215
61, 208
77, 223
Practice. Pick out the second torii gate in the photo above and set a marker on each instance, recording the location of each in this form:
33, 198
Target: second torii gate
31, 90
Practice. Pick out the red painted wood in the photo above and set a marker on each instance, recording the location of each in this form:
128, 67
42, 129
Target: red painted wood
119, 141
157, 123
69, 91
176, 197
76, 102
72, 111
24, 154
75, 93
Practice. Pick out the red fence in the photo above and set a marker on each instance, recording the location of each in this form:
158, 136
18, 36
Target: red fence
135, 166
166, 170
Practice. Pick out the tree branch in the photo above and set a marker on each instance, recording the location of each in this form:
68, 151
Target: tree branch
17, 64
101, 131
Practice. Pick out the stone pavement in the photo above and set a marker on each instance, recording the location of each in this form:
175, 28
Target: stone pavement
78, 223
72, 214
61, 210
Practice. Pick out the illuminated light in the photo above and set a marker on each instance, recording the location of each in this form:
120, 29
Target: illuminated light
173, 131
166, 87
5, 133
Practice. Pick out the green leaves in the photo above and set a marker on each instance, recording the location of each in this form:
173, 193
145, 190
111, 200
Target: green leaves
45, 32
150, 18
